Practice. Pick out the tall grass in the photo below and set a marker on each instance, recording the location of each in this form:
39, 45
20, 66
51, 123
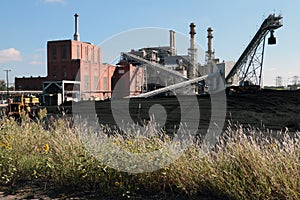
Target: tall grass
247, 163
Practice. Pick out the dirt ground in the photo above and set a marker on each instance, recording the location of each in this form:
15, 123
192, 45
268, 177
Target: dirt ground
34, 192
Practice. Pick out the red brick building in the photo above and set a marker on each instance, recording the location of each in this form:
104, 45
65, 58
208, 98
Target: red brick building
30, 83
71, 61
128, 79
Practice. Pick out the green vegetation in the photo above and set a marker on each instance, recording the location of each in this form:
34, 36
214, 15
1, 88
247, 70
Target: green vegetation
246, 164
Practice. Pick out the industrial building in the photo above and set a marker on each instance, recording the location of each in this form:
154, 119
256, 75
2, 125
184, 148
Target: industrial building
75, 69
69, 63
166, 72
163, 67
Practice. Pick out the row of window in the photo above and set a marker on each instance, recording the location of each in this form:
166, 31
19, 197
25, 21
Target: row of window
96, 81
63, 52
90, 54
64, 75
54, 74
64, 68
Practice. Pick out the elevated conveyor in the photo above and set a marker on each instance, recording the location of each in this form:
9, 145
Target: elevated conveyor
154, 65
249, 65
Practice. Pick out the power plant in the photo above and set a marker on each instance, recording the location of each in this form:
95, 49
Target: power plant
187, 72
155, 75
76, 72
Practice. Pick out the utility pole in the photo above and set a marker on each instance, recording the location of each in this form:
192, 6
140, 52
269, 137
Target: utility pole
7, 70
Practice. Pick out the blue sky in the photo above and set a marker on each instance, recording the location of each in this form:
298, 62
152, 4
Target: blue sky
26, 26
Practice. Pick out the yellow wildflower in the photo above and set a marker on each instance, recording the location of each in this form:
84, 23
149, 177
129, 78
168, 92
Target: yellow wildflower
1, 144
34, 172
46, 148
117, 184
63, 196
37, 163
7, 145
273, 145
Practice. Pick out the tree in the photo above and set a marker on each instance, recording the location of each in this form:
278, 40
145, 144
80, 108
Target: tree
2, 85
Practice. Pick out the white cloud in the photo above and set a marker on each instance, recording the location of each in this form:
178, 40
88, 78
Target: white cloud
10, 54
36, 62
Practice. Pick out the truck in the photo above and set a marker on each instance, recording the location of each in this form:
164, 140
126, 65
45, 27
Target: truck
20, 103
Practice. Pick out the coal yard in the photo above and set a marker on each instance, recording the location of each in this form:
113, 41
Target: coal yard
265, 109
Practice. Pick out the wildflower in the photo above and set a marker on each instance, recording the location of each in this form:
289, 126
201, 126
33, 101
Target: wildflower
8, 146
1, 144
273, 145
34, 172
46, 148
128, 142
37, 163
117, 184
63, 196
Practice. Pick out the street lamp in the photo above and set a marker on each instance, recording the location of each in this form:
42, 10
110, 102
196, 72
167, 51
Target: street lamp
7, 70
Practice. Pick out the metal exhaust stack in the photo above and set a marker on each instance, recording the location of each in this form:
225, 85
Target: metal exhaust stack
172, 43
191, 72
210, 52
76, 34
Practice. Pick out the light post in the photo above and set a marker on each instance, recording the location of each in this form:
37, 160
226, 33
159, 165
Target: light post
7, 70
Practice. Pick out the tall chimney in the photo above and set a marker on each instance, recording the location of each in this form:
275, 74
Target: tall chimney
191, 72
76, 34
192, 30
172, 43
210, 52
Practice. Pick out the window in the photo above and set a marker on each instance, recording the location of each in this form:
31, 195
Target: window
53, 52
86, 53
92, 55
64, 72
86, 82
96, 79
121, 71
63, 52
104, 83
78, 52
53, 68
98, 56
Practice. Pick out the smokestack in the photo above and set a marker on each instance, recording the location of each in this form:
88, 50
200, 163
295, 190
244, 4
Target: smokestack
191, 72
192, 30
172, 43
76, 34
210, 44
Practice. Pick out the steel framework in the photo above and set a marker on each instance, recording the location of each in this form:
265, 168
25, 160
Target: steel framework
248, 68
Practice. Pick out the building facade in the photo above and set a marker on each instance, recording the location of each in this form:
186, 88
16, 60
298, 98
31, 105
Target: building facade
75, 64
